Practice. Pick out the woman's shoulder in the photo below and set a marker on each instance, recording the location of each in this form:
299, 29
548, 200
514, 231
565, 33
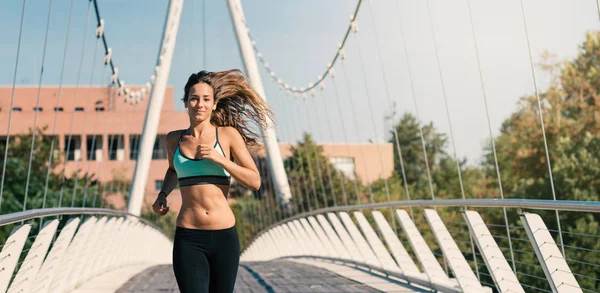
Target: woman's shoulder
228, 130
231, 133
173, 136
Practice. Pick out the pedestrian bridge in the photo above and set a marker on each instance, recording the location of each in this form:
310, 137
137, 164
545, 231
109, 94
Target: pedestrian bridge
345, 248
404, 215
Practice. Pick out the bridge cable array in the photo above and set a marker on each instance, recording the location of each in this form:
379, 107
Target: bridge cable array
312, 184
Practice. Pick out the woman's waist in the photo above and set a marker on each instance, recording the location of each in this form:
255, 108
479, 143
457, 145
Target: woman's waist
202, 217
204, 205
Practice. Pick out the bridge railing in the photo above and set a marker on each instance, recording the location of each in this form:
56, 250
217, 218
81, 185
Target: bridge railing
58, 249
447, 245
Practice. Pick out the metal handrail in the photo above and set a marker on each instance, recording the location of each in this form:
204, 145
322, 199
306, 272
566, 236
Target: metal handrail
536, 204
49, 212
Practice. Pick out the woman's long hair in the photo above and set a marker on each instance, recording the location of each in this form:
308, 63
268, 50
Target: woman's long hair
238, 104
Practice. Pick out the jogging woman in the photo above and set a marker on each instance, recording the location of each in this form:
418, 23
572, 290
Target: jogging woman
222, 106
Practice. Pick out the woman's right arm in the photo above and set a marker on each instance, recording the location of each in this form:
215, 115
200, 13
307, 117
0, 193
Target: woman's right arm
170, 179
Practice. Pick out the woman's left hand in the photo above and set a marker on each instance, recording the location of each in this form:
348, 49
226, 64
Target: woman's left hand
206, 151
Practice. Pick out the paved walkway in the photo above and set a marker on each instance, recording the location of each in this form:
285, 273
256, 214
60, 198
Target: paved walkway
273, 276
295, 275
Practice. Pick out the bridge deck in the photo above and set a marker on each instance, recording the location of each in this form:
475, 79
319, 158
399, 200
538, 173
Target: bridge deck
272, 276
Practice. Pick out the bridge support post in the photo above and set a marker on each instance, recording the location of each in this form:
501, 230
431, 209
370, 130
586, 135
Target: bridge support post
276, 169
163, 68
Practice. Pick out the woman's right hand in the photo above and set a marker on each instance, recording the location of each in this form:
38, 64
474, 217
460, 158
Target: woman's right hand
160, 205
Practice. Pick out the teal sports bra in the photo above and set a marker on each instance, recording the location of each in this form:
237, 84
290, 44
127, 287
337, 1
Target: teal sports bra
199, 171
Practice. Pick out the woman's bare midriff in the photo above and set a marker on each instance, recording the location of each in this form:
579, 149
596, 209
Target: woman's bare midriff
205, 207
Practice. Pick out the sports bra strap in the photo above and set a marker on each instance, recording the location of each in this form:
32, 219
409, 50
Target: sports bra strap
181, 136
217, 134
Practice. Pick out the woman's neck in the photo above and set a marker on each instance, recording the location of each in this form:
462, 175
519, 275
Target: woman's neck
197, 129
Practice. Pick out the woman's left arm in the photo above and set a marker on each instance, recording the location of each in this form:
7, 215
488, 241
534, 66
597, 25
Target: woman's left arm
245, 171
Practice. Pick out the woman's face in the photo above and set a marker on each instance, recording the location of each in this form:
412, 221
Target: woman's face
201, 102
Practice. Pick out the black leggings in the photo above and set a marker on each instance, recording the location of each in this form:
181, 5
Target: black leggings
206, 260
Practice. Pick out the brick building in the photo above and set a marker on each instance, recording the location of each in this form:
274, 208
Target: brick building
105, 134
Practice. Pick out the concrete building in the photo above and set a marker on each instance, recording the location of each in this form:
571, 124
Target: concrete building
105, 132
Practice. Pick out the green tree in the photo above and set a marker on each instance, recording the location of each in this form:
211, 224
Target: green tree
307, 156
571, 110
442, 166
409, 137
69, 191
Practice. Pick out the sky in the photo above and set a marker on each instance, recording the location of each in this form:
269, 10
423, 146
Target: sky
299, 38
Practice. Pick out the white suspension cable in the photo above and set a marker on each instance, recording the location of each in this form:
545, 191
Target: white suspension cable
93, 148
298, 188
257, 217
347, 146
263, 191
295, 90
512, 255
414, 98
37, 106
339, 107
75, 103
307, 156
364, 75
110, 144
263, 216
109, 147
387, 93
444, 95
115, 187
12, 100
62, 72
336, 171
302, 171
314, 150
83, 131
370, 189
276, 203
268, 199
129, 120
458, 170
539, 103
271, 197
362, 153
327, 169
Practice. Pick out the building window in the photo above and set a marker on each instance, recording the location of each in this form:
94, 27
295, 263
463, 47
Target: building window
38, 109
2, 144
78, 109
158, 184
134, 146
116, 147
52, 141
58, 109
99, 109
73, 147
345, 165
94, 147
17, 109
158, 151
